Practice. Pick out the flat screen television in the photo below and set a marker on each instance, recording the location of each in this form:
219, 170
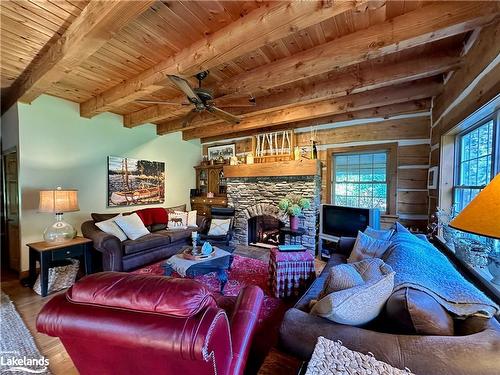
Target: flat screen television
339, 221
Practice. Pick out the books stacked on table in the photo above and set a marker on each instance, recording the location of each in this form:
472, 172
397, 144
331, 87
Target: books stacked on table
285, 248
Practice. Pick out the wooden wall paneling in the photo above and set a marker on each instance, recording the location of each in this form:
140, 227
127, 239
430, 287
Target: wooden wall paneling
386, 112
412, 178
412, 202
414, 155
481, 55
434, 157
409, 128
486, 89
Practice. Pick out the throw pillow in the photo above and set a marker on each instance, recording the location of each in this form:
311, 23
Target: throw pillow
132, 225
401, 228
379, 234
219, 227
191, 219
181, 208
177, 220
367, 247
331, 357
361, 304
102, 217
340, 277
109, 226
413, 311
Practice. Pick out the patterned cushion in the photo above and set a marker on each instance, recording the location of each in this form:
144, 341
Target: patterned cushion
367, 247
363, 303
177, 220
343, 276
219, 227
331, 357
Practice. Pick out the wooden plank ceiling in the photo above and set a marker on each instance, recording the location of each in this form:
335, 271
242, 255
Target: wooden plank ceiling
304, 62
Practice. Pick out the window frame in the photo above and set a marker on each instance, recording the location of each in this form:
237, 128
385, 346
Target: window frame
495, 153
391, 169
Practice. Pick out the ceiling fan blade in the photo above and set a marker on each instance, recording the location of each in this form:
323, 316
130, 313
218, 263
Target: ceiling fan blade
226, 116
184, 86
189, 117
161, 102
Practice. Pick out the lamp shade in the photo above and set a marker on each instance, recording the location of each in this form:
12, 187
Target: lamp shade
482, 215
58, 200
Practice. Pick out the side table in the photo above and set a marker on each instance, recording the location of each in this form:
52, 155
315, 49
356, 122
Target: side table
46, 252
290, 271
292, 234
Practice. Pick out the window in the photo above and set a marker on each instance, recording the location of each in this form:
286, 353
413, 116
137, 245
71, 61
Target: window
360, 180
476, 162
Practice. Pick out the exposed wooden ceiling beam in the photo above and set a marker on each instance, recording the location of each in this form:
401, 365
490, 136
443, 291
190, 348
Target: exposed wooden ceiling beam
97, 23
365, 78
386, 112
261, 26
482, 57
368, 99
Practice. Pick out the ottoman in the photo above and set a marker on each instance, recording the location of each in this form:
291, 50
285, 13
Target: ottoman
289, 272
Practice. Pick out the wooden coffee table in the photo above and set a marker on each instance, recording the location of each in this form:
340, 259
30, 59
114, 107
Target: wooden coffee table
219, 265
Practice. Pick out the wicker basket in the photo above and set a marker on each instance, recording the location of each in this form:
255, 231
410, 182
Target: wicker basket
60, 277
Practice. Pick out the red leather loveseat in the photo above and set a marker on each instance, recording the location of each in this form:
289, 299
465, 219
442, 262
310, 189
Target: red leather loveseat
116, 323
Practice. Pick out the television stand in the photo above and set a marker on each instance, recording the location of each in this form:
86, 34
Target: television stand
325, 246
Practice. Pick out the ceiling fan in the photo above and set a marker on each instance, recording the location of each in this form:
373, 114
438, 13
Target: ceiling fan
203, 100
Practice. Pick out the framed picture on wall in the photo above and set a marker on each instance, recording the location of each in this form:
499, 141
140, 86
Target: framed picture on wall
226, 151
432, 178
133, 182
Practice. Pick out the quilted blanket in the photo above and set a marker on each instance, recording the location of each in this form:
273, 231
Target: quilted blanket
419, 265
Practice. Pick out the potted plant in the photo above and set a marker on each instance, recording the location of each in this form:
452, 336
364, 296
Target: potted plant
293, 205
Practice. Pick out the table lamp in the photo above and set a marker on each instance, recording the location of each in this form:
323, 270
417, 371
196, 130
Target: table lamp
482, 216
58, 201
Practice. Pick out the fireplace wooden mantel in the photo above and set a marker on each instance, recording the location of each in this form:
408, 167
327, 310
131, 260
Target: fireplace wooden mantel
302, 167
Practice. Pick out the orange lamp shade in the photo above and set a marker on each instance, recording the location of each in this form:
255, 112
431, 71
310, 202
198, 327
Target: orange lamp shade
58, 200
482, 215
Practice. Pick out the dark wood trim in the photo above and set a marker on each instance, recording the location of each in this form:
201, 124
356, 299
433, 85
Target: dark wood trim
392, 169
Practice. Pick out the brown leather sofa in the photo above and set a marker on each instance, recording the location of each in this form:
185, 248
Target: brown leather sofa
472, 349
161, 243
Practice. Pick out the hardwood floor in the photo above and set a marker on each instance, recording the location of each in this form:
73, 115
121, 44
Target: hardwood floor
28, 304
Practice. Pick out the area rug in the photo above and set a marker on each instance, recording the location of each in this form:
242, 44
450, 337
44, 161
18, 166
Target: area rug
245, 271
18, 351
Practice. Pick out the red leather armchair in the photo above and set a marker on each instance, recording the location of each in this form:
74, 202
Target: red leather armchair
117, 323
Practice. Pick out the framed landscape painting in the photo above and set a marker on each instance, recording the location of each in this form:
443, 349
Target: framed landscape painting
134, 182
226, 151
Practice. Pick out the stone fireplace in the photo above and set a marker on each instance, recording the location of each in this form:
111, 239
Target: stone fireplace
257, 197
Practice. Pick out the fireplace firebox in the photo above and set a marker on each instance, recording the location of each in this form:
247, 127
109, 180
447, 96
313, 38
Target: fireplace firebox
264, 231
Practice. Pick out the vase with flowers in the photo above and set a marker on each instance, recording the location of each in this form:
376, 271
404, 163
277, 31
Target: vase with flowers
293, 205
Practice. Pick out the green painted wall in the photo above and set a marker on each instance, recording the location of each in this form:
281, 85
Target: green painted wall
60, 148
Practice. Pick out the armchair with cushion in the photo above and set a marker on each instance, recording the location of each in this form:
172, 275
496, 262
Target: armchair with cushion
116, 323
222, 241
